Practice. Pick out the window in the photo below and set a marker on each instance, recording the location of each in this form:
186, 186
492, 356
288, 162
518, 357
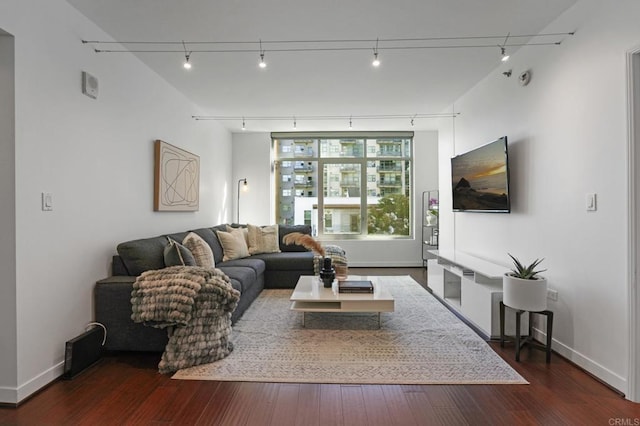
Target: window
359, 184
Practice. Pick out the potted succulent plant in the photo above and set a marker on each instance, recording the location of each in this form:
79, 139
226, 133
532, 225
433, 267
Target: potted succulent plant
523, 288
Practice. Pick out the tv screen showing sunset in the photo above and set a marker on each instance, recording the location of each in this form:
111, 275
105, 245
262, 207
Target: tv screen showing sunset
479, 179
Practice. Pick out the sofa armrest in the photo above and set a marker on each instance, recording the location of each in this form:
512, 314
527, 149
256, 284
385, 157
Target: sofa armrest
118, 280
112, 297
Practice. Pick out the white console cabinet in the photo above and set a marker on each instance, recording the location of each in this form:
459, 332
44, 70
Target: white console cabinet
472, 287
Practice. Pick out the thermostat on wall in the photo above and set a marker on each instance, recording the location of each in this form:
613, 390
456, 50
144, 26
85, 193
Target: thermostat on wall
89, 85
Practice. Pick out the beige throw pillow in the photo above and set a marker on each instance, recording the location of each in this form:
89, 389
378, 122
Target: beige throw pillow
263, 239
244, 230
233, 244
200, 249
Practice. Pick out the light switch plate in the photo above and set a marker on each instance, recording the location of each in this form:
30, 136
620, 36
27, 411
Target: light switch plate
47, 201
591, 202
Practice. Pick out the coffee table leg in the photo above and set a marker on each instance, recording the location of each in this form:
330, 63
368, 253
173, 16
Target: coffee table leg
303, 312
379, 326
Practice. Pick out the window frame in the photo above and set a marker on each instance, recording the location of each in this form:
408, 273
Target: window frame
364, 160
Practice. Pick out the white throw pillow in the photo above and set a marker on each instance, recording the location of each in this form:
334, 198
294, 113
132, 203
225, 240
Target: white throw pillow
200, 250
233, 244
263, 239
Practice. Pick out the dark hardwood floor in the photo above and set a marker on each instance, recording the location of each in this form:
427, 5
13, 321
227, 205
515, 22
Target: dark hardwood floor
127, 389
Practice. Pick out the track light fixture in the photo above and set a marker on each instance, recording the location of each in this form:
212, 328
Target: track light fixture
376, 61
503, 52
337, 45
187, 55
377, 117
505, 57
262, 63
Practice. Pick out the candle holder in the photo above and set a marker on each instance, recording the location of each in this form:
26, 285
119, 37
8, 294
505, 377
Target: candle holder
327, 273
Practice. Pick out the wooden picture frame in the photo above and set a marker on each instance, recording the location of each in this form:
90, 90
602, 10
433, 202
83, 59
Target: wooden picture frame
176, 179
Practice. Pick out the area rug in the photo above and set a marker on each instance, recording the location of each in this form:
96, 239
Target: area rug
420, 343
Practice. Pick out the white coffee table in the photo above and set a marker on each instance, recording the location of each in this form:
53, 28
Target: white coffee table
310, 295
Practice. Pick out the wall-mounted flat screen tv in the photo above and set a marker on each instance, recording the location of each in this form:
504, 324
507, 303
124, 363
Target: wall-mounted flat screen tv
480, 179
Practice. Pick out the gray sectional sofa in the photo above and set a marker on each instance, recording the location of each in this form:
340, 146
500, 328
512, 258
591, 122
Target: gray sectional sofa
249, 275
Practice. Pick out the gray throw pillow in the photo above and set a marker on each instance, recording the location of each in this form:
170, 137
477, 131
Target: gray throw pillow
175, 254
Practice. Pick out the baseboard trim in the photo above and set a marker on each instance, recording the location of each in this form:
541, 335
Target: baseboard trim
32, 386
8, 396
590, 366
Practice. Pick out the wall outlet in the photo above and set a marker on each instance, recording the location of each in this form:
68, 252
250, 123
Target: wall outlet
552, 294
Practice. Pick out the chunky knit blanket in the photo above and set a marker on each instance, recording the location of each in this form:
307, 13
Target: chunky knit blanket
195, 305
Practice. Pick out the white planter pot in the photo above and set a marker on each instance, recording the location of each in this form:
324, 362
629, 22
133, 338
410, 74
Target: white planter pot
527, 295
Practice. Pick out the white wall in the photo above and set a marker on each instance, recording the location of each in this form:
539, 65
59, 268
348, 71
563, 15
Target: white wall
567, 135
8, 338
96, 157
252, 159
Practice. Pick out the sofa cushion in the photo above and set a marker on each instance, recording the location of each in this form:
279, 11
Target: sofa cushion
179, 236
287, 229
233, 244
143, 255
175, 254
293, 261
235, 284
263, 239
118, 267
257, 265
245, 275
200, 249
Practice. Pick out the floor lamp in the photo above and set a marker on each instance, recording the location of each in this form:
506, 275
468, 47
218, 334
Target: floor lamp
244, 188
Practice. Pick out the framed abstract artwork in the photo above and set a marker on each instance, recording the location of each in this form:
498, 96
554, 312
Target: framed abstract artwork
177, 179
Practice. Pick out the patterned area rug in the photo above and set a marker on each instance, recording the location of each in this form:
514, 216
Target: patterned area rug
420, 343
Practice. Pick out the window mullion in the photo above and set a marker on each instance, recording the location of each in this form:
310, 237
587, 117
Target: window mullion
363, 194
320, 172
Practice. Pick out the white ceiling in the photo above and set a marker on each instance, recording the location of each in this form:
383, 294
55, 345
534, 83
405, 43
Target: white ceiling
326, 83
